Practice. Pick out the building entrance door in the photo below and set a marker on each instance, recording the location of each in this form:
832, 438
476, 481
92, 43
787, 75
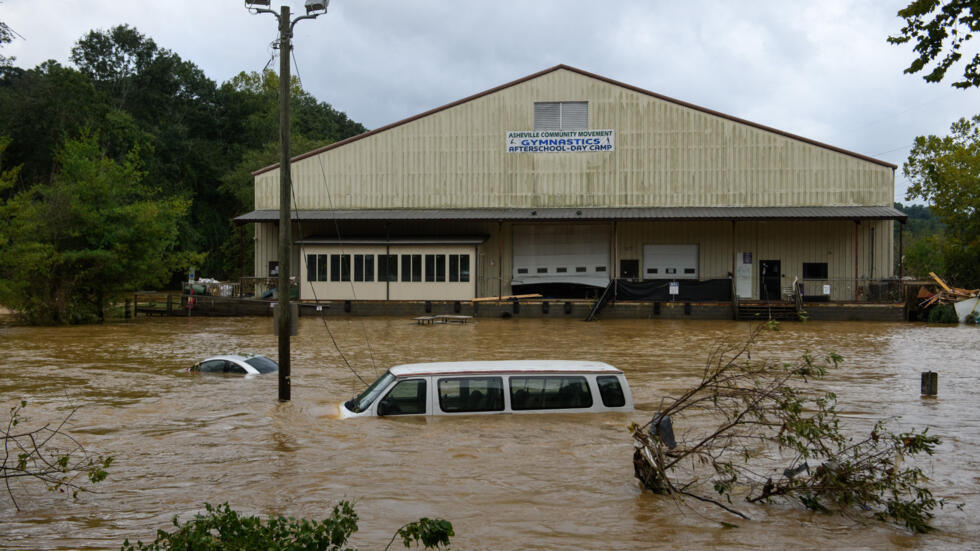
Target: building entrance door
629, 268
769, 280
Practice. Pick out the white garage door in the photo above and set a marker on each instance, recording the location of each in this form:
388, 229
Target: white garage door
547, 253
670, 262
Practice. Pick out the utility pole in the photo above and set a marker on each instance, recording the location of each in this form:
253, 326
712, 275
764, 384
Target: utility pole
285, 198
313, 9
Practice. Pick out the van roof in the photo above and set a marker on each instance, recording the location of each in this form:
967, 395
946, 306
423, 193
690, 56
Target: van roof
518, 366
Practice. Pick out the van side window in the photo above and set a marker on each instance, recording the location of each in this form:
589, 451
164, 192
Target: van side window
406, 397
550, 392
465, 394
611, 391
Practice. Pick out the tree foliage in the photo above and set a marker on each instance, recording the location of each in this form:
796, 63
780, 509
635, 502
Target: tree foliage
939, 31
195, 142
769, 438
222, 528
47, 454
95, 231
921, 241
945, 171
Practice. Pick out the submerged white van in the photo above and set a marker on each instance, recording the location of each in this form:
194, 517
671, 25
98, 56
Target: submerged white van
471, 388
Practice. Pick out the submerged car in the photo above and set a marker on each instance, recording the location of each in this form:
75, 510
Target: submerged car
522, 386
236, 363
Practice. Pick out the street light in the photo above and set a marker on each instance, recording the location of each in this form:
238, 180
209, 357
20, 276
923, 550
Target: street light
313, 10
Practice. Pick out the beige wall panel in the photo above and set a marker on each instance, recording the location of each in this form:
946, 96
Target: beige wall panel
266, 247
666, 155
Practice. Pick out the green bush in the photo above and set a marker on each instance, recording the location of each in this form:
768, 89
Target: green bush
224, 529
943, 313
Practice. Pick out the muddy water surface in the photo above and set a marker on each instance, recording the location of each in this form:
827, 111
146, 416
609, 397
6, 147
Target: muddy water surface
506, 482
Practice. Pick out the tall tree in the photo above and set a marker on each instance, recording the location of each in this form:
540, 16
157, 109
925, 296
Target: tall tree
93, 232
939, 31
39, 108
945, 171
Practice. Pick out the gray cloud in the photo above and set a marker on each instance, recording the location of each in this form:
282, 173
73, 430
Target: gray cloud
819, 69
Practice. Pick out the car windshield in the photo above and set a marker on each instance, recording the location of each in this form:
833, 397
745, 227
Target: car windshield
366, 398
262, 364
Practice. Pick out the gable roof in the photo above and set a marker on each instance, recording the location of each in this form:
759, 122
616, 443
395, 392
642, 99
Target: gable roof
590, 75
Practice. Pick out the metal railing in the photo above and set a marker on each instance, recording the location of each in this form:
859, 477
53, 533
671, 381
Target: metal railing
852, 290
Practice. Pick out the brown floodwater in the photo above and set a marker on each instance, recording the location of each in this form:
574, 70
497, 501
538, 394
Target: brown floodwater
505, 482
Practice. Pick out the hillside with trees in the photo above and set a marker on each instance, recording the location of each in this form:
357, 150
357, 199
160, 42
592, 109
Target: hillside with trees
128, 166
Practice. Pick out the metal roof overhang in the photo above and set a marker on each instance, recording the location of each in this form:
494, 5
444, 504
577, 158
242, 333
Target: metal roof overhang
591, 214
441, 240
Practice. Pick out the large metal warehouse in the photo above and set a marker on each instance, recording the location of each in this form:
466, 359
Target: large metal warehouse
562, 181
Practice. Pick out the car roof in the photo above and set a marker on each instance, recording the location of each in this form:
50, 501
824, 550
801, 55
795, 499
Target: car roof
237, 357
516, 366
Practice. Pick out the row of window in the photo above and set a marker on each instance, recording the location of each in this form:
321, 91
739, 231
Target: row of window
562, 270
476, 394
414, 267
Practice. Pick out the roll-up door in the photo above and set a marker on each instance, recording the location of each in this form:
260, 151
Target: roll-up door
547, 253
670, 262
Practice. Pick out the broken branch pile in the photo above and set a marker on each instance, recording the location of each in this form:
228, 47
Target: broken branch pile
750, 429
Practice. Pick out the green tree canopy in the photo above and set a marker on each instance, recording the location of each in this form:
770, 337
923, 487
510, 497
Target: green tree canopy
91, 233
939, 31
194, 142
945, 171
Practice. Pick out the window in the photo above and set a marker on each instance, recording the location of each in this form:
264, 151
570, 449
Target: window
263, 364
406, 397
345, 267
321, 267
542, 270
519, 270
459, 268
430, 267
387, 267
311, 267
335, 267
549, 393
411, 267
814, 270
458, 395
212, 366
652, 270
611, 391
363, 267
440, 267
579, 269
316, 267
561, 115
600, 268
561, 270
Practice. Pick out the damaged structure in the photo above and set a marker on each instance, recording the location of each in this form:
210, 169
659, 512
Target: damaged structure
562, 181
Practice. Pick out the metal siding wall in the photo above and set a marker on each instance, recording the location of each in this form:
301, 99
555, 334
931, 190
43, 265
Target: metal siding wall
666, 155
266, 247
790, 242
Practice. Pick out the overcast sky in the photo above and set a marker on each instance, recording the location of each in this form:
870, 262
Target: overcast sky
822, 70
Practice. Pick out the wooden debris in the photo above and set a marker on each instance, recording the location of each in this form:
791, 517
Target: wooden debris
948, 295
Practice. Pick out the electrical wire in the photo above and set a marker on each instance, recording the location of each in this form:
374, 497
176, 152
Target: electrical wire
339, 237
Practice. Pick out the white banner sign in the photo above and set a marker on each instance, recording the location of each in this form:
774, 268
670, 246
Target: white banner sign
560, 141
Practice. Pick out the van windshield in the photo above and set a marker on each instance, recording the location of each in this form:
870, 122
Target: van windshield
366, 398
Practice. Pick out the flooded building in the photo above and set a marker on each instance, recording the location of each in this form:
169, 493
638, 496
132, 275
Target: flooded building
562, 181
